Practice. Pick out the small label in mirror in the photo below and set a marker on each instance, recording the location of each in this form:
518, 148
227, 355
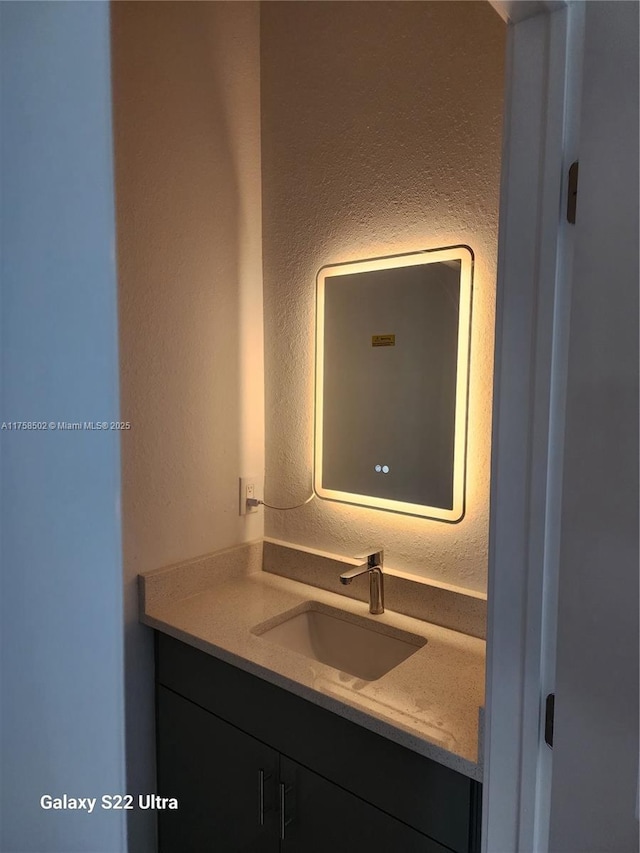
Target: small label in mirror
383, 341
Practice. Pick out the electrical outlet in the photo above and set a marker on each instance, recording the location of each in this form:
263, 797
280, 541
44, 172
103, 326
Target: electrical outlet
247, 490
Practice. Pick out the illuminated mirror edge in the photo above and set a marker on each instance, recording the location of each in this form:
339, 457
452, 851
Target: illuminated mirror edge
465, 255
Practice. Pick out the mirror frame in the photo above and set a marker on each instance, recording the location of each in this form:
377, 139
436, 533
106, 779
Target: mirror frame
465, 255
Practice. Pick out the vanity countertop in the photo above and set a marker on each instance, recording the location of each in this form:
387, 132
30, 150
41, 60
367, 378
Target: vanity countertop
429, 703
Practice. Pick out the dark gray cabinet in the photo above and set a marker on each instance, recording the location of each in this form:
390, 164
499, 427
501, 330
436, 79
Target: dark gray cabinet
317, 816
258, 769
224, 780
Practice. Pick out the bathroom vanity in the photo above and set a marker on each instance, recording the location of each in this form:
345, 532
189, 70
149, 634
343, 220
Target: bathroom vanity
267, 749
256, 768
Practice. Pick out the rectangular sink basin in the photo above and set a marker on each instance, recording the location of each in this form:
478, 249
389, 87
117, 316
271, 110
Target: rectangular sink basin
349, 643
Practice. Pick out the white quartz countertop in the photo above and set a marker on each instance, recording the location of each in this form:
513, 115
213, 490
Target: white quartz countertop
429, 703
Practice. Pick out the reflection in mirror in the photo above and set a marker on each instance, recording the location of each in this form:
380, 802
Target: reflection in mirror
391, 382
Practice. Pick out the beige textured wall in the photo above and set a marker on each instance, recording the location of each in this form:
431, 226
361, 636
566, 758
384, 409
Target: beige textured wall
188, 192
187, 152
381, 133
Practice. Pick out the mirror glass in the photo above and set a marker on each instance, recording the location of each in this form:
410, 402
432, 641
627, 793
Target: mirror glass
392, 366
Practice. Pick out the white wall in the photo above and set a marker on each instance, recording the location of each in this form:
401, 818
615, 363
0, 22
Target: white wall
187, 153
62, 667
381, 134
595, 753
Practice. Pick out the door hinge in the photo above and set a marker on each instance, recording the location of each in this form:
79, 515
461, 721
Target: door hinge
572, 193
548, 719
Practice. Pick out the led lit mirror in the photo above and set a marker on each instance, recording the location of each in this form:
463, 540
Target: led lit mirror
392, 369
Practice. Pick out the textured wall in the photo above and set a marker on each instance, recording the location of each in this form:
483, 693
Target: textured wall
187, 145
381, 133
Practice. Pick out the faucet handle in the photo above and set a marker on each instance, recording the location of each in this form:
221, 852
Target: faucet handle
373, 557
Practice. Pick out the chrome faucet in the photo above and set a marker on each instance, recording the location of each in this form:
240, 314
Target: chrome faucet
373, 567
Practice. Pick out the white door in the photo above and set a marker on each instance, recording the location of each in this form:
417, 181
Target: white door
595, 752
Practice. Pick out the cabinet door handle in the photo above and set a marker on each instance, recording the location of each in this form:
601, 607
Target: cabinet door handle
284, 823
261, 796
262, 778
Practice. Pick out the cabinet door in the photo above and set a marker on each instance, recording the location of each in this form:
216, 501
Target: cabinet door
317, 816
224, 780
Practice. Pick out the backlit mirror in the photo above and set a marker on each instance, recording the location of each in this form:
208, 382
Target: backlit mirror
392, 367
